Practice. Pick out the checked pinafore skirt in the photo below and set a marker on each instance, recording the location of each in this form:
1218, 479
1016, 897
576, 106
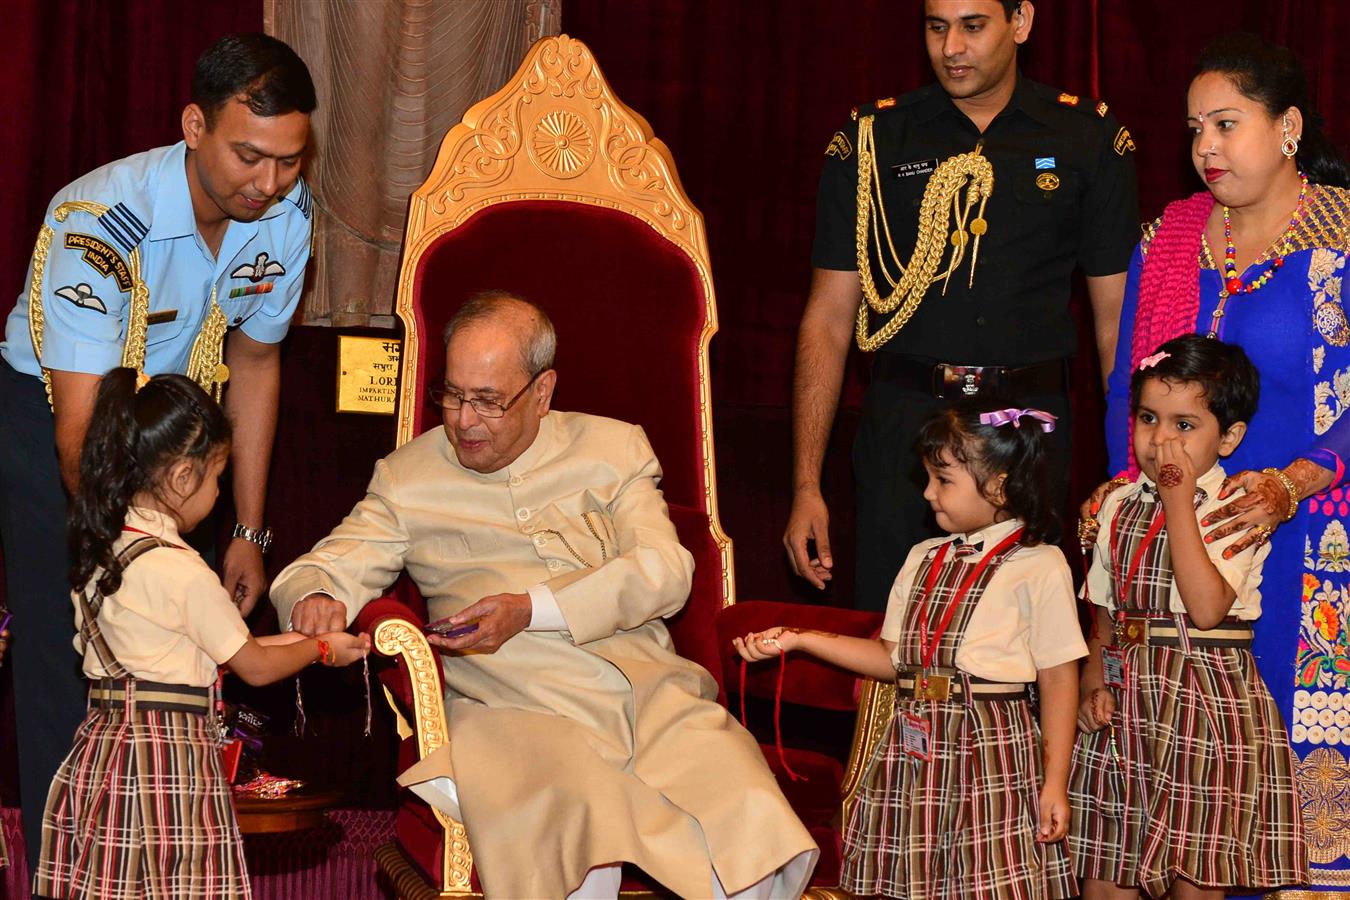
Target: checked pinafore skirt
1199, 781
963, 823
140, 808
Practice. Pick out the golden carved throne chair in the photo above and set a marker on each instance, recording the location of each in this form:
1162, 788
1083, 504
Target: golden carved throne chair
553, 189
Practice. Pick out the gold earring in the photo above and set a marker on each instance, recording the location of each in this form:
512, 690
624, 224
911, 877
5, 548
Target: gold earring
1289, 146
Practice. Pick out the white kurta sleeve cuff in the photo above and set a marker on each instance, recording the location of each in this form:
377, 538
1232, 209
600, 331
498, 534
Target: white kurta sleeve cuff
545, 613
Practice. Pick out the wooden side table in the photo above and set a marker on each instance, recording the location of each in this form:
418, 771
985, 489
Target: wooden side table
296, 811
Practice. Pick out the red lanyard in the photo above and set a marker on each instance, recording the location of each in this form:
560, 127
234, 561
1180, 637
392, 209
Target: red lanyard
928, 645
1154, 529
148, 534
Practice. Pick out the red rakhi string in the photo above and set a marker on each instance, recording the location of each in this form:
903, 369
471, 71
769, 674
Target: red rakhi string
777, 714
744, 722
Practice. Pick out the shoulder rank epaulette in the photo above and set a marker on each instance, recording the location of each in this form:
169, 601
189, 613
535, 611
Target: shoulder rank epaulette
1076, 102
869, 109
302, 198
123, 226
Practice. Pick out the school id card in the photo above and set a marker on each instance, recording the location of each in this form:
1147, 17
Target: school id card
1113, 667
914, 734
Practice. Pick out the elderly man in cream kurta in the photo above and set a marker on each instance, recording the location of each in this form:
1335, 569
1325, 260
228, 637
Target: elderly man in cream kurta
578, 738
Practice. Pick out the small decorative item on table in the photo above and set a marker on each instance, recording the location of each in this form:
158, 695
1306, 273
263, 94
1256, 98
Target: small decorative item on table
269, 804
267, 787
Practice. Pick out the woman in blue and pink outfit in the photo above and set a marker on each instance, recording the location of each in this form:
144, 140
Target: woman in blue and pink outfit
1258, 260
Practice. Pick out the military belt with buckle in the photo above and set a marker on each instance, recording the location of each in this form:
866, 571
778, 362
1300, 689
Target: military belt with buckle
952, 381
1162, 631
943, 685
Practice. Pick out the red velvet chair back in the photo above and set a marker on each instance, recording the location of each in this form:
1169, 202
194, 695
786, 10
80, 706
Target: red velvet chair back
554, 190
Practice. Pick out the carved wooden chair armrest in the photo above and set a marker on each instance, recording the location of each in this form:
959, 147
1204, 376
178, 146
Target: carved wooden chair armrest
876, 707
414, 686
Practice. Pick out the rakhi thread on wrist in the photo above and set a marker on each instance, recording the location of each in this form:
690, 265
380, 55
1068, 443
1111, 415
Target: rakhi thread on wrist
328, 656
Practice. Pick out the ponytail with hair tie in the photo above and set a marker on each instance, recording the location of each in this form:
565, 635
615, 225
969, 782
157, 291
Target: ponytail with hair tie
139, 427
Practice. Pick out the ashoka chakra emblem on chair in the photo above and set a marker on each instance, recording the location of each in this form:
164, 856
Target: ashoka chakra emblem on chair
562, 143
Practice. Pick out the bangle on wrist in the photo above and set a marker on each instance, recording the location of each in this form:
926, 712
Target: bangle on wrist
260, 536
1288, 486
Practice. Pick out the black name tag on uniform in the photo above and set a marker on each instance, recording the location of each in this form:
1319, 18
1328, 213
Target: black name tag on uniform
159, 318
918, 167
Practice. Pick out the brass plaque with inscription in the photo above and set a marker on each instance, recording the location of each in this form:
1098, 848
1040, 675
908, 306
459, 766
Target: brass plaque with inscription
367, 374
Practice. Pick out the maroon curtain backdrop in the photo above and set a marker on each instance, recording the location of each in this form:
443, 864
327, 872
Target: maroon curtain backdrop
747, 94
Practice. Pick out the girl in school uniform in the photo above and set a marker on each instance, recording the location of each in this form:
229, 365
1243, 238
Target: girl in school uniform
1182, 778
966, 795
140, 807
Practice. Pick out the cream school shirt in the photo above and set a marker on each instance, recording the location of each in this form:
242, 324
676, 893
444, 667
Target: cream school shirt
1025, 621
1242, 572
171, 621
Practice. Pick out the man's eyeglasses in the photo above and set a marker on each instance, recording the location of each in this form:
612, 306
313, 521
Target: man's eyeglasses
449, 398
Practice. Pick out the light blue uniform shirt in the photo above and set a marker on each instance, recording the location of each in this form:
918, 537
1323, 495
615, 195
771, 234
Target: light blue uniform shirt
86, 292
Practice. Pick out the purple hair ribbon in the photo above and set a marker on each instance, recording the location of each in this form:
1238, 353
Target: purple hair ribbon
1014, 416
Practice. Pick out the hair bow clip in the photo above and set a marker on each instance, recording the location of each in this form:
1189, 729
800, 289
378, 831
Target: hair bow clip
1013, 416
1149, 362
142, 380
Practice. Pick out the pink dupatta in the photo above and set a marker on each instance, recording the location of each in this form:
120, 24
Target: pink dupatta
1169, 283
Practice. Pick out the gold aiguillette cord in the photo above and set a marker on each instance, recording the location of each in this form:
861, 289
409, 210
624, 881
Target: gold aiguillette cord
942, 202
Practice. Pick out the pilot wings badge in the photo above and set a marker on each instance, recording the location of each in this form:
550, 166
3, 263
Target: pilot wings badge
260, 268
82, 295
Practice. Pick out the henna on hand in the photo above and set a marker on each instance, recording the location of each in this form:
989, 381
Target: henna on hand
1309, 477
1170, 475
1245, 503
1271, 496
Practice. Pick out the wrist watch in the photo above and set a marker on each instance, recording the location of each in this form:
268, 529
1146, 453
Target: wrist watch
260, 536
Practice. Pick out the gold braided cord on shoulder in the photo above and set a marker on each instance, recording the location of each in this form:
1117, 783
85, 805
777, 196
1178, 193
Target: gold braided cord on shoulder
36, 317
133, 349
942, 202
206, 363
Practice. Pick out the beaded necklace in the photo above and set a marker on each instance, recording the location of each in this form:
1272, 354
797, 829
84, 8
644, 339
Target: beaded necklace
1232, 280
